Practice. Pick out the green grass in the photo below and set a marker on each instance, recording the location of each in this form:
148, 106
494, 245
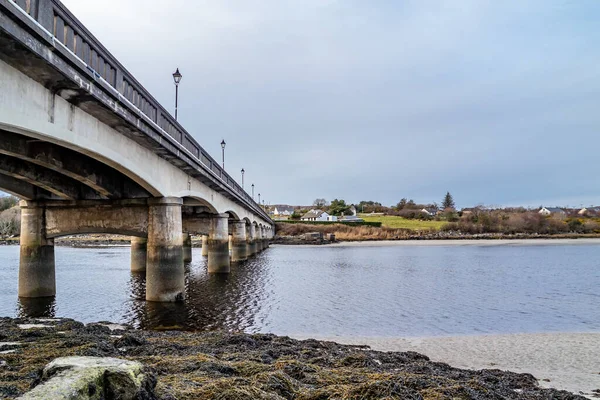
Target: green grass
392, 221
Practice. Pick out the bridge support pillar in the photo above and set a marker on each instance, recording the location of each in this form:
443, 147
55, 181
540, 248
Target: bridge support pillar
165, 274
239, 246
251, 241
204, 245
259, 241
36, 269
218, 245
187, 248
139, 249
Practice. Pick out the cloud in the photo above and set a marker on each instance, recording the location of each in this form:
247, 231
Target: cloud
378, 100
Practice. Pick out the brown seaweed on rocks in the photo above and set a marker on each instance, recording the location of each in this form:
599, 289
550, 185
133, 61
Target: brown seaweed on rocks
238, 366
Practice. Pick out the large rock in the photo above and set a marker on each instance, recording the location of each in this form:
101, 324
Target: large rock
93, 378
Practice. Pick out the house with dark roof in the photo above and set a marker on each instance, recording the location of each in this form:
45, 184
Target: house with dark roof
431, 211
318, 215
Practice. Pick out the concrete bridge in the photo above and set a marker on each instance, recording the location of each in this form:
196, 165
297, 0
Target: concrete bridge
89, 150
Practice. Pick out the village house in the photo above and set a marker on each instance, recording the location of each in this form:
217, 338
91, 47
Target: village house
589, 211
283, 211
318, 215
431, 211
552, 211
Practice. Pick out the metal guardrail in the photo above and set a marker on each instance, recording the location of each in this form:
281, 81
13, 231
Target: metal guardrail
54, 17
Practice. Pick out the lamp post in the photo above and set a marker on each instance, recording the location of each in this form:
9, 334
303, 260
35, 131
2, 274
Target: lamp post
259, 199
223, 149
243, 178
177, 78
253, 191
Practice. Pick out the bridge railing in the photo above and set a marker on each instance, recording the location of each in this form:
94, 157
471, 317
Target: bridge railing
68, 30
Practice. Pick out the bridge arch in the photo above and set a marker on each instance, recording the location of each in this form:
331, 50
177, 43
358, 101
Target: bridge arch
233, 215
99, 143
193, 200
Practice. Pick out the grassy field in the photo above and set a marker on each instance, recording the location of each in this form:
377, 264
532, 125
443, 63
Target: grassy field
392, 221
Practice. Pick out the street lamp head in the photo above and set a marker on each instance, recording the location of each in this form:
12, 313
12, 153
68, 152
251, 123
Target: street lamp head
243, 171
177, 76
223, 144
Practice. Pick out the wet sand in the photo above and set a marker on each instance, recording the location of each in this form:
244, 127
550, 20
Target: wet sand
567, 361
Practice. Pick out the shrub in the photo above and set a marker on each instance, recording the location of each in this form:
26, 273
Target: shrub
10, 222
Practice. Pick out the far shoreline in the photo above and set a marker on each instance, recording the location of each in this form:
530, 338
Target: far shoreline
546, 241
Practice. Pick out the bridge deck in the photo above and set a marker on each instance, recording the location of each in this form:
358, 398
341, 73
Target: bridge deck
44, 40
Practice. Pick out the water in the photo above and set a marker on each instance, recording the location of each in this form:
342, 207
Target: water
338, 291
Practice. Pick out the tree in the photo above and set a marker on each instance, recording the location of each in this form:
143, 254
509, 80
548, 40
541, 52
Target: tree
448, 201
8, 202
339, 207
370, 206
320, 203
401, 204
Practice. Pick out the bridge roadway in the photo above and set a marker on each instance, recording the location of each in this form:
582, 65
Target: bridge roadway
89, 150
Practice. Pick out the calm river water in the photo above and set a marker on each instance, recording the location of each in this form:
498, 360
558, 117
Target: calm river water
338, 291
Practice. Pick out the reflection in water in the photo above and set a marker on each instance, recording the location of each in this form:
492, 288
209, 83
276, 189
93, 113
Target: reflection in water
335, 291
43, 307
213, 301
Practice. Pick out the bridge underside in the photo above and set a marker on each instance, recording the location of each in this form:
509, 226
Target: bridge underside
88, 150
66, 192
43, 170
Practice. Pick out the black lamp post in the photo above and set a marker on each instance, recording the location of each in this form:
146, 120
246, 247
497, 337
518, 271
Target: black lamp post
243, 177
223, 149
177, 78
253, 191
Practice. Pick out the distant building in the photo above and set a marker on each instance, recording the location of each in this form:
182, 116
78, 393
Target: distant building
318, 215
350, 218
431, 211
589, 211
552, 211
283, 211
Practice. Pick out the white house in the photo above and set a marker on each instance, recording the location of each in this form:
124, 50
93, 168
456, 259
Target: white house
318, 215
283, 211
552, 210
432, 212
589, 211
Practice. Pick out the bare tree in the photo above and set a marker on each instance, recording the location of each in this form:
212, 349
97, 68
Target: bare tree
320, 203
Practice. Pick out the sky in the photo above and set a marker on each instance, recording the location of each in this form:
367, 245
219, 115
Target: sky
494, 101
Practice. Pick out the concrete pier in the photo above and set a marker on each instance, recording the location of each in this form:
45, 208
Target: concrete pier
187, 248
218, 245
139, 249
259, 240
251, 241
36, 269
165, 279
204, 245
239, 246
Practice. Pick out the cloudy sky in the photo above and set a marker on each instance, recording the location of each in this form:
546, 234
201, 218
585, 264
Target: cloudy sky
495, 101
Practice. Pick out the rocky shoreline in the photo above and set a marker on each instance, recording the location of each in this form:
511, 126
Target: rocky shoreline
99, 240
223, 365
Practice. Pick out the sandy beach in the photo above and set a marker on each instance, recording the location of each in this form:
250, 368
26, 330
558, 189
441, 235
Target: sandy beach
569, 361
